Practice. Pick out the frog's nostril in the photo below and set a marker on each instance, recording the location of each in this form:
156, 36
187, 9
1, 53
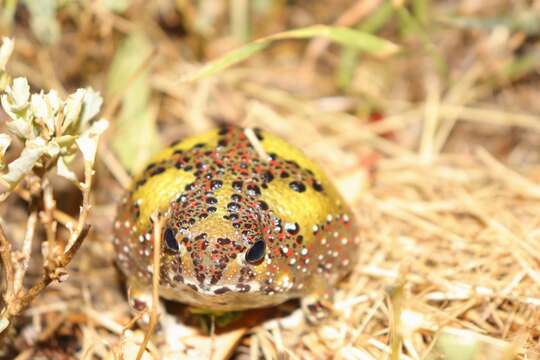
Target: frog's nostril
256, 252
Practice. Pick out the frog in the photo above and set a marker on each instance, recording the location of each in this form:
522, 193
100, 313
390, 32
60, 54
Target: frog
248, 222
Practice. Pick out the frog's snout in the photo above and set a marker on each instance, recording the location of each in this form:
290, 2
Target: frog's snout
214, 260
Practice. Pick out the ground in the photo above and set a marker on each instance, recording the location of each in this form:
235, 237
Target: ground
435, 146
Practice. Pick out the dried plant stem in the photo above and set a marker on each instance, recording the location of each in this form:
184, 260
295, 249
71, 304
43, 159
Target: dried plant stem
47, 217
461, 93
514, 180
17, 298
51, 273
20, 270
431, 119
155, 283
7, 262
396, 304
60, 216
250, 134
25, 355
115, 167
491, 116
85, 207
132, 321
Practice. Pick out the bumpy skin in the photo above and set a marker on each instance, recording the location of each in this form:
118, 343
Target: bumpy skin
241, 231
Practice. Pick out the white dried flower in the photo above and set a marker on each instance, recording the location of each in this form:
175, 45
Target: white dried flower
52, 149
49, 126
15, 104
87, 142
19, 93
21, 128
32, 152
45, 108
72, 108
63, 170
5, 52
91, 105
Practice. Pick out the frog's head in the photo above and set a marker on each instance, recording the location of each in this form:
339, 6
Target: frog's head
225, 254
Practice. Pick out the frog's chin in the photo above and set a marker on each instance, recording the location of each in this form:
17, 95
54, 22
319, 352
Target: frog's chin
215, 297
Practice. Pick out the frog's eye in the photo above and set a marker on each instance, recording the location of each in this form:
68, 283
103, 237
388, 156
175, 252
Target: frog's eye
256, 253
170, 240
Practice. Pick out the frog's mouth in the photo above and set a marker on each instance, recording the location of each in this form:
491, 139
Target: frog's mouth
217, 298
194, 290
221, 289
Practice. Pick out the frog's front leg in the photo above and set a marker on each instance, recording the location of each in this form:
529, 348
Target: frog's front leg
318, 304
169, 328
140, 302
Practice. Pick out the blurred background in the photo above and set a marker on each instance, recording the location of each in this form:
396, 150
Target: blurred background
431, 129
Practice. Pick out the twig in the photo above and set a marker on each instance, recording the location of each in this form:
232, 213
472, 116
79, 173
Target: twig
514, 180
85, 207
25, 355
132, 321
256, 144
20, 270
59, 215
155, 283
431, 119
52, 326
461, 93
106, 321
7, 263
51, 273
395, 298
113, 164
212, 336
47, 217
490, 116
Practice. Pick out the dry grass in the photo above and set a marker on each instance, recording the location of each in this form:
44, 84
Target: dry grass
446, 186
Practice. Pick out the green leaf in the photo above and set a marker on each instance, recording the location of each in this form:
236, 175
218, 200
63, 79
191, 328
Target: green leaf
227, 60
410, 26
360, 40
135, 138
350, 55
461, 344
421, 10
368, 43
527, 22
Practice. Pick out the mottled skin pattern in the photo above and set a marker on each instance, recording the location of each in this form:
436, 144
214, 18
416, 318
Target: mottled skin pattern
241, 231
